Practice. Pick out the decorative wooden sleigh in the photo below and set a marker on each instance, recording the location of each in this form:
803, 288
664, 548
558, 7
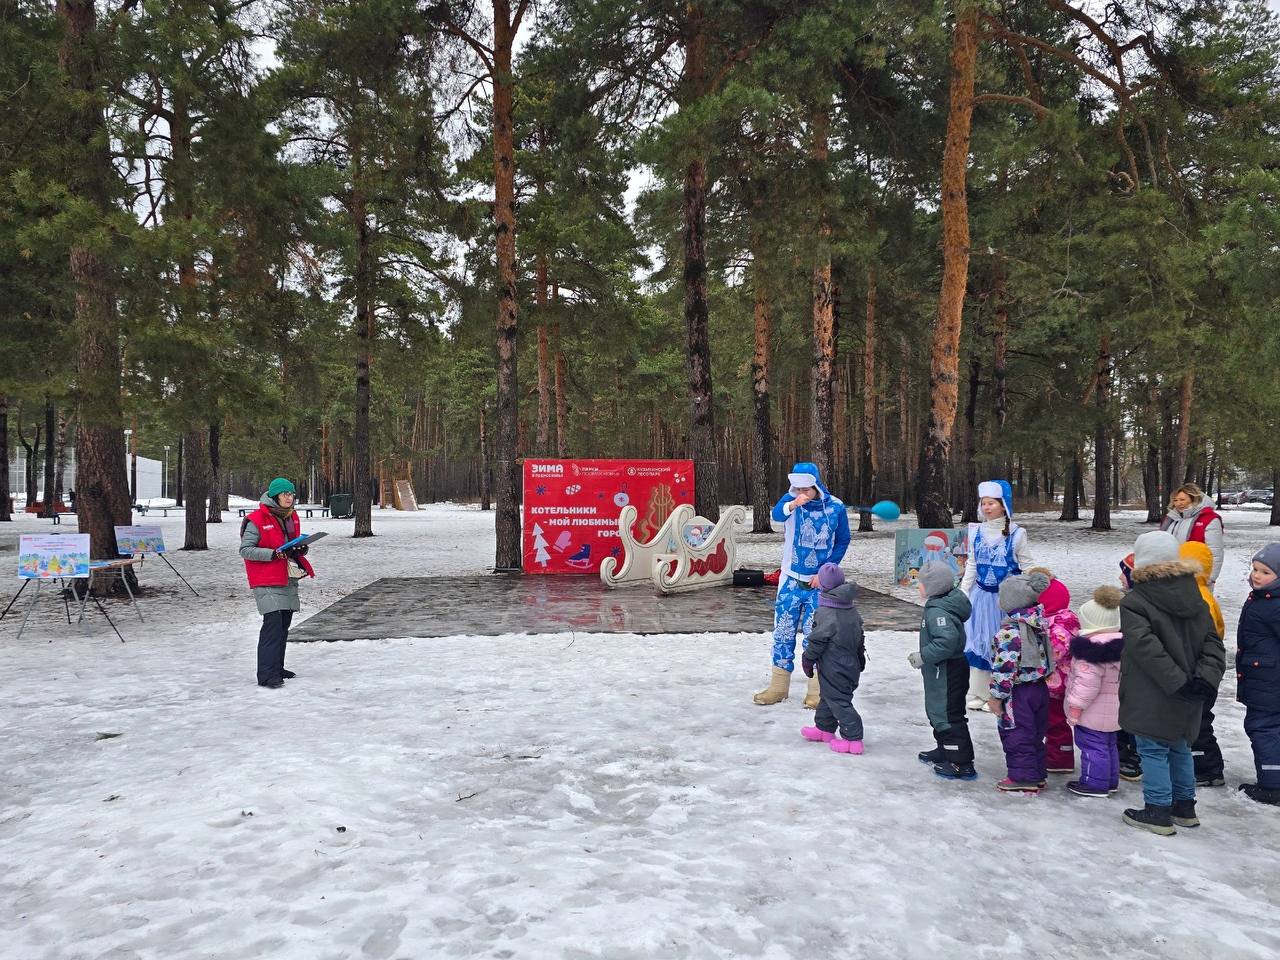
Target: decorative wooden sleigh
687, 553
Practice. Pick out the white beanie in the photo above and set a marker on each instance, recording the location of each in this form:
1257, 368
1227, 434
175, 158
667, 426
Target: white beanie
1102, 613
1158, 546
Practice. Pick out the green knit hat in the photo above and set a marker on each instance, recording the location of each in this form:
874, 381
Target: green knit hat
281, 485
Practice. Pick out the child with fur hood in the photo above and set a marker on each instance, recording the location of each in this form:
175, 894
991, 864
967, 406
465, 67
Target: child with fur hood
1173, 657
837, 653
1061, 624
1093, 694
1021, 659
945, 671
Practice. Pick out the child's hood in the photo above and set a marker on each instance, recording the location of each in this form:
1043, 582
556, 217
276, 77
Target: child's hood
1169, 585
1199, 554
1098, 648
840, 596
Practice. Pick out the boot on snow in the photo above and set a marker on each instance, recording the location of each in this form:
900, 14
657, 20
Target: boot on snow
955, 771
779, 687
1183, 813
1267, 795
1158, 820
814, 735
930, 757
846, 746
812, 694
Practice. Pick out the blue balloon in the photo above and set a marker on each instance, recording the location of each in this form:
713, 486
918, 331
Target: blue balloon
887, 510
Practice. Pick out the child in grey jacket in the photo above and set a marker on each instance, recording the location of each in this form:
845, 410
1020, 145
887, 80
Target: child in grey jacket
837, 651
945, 671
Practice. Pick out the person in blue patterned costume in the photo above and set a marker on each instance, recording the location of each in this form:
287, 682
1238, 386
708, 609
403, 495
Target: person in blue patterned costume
997, 549
815, 528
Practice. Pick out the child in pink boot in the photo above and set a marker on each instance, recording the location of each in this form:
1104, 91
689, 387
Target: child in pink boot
837, 653
1062, 624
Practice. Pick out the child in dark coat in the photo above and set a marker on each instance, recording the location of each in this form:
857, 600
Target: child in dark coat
836, 651
1022, 658
1173, 658
1258, 673
945, 671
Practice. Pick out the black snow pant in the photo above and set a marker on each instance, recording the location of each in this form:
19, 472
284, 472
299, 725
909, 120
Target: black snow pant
954, 743
837, 684
1205, 752
271, 643
1263, 730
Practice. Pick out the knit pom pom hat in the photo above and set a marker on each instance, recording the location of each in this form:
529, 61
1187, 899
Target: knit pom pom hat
1102, 613
1022, 591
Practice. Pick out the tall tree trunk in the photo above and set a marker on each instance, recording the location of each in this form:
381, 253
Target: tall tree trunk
933, 508
1185, 395
822, 416
365, 333
178, 499
64, 437
217, 479
5, 493
1071, 490
1102, 439
562, 404
485, 494
970, 497
1169, 453
197, 489
762, 430
542, 441
49, 503
102, 497
1274, 520
869, 459
1000, 336
31, 457
507, 516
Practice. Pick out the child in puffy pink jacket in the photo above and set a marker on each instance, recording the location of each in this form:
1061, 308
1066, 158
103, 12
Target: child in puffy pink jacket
1093, 694
1062, 625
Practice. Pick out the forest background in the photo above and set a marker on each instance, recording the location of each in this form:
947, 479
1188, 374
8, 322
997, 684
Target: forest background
918, 242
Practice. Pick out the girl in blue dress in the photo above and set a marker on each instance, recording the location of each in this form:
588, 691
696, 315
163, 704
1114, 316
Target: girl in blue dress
997, 549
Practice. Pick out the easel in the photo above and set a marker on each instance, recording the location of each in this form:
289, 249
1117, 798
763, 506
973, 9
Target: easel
141, 557
35, 596
119, 568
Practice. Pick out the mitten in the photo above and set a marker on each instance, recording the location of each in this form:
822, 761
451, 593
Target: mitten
807, 666
915, 659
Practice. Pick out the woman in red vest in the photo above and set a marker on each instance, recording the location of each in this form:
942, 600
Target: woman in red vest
274, 574
1192, 519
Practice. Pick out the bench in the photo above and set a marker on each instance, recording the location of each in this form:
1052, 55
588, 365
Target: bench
164, 511
57, 517
308, 511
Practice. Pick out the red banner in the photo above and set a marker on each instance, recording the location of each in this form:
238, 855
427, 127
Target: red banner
571, 508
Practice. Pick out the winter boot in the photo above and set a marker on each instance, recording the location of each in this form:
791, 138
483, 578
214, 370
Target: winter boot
1270, 796
1159, 820
846, 746
979, 687
287, 674
1018, 786
1210, 780
955, 771
1080, 790
1131, 769
779, 687
812, 694
815, 735
936, 755
1183, 813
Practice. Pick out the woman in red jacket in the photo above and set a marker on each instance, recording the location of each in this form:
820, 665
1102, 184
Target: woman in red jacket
274, 575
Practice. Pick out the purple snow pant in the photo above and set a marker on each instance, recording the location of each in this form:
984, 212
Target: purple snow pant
1023, 739
1099, 759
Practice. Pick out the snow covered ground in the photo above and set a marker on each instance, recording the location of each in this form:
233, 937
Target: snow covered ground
576, 796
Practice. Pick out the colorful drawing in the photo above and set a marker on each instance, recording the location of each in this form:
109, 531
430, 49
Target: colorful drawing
53, 557
914, 548
131, 541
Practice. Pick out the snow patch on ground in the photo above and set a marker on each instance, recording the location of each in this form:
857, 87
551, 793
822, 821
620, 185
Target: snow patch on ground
568, 795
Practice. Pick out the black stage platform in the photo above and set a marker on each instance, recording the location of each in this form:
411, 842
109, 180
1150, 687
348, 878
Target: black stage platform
494, 605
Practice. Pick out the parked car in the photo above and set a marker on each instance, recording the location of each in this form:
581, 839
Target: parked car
1230, 497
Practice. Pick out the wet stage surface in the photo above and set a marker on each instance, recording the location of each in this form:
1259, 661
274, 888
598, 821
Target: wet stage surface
498, 604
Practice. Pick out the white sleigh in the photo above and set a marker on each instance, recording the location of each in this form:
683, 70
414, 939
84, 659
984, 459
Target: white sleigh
636, 565
687, 553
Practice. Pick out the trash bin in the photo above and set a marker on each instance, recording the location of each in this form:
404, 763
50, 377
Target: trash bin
342, 506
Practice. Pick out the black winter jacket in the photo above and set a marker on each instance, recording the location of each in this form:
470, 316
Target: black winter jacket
1169, 639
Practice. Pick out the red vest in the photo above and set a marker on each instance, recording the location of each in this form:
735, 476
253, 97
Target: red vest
271, 536
1203, 519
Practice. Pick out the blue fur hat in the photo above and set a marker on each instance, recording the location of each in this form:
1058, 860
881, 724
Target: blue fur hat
998, 490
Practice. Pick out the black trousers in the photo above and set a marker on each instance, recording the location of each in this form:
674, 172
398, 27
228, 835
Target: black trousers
271, 643
1205, 752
